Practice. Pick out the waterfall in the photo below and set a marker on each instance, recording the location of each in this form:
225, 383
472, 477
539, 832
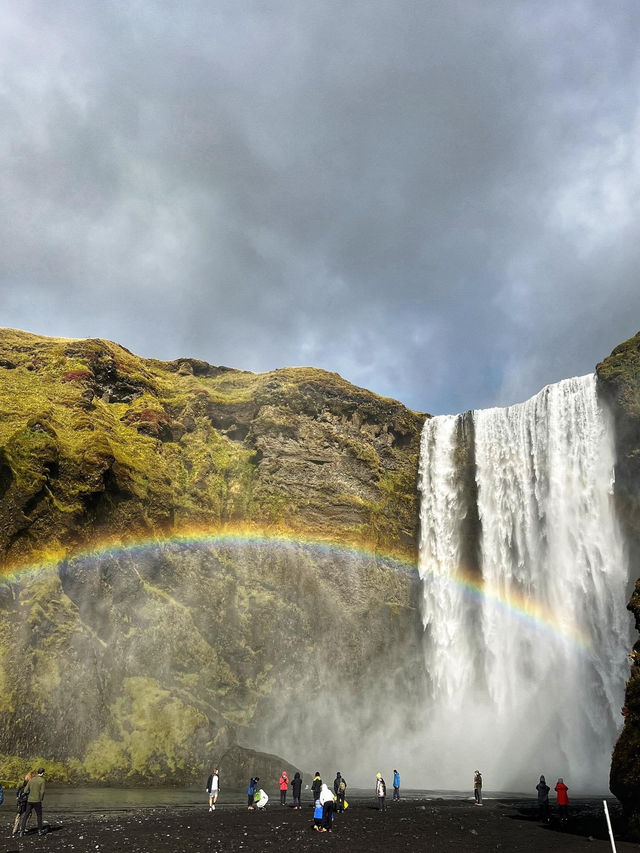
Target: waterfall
524, 577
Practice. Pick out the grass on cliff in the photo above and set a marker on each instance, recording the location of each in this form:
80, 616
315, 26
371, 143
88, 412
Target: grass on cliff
80, 431
622, 369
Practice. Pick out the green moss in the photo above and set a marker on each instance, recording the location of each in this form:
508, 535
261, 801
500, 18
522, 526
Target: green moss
152, 729
363, 451
13, 770
621, 371
201, 477
153, 660
106, 758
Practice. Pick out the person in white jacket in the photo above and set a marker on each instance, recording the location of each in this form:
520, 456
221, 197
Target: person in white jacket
213, 785
381, 791
262, 800
327, 803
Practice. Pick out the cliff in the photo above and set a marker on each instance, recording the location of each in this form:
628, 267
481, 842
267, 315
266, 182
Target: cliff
619, 380
202, 565
176, 539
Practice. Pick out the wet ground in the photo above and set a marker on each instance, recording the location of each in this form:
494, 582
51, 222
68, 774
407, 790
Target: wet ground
413, 825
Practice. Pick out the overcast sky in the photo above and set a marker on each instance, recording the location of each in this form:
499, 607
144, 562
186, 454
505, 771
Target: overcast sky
438, 199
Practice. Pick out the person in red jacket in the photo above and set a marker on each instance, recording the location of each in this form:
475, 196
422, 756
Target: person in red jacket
284, 787
563, 800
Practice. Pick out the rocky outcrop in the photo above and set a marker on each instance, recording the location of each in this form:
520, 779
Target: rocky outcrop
96, 441
619, 381
135, 665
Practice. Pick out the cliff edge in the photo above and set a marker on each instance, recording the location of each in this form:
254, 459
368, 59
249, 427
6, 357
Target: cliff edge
176, 539
619, 380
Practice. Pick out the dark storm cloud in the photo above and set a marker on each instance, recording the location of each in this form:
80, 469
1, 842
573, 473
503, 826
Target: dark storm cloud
438, 200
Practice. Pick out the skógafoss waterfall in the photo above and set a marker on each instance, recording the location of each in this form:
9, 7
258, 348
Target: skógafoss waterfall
524, 578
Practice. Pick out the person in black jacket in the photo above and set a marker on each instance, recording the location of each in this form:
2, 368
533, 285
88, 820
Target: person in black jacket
296, 788
316, 786
543, 799
251, 791
339, 789
21, 801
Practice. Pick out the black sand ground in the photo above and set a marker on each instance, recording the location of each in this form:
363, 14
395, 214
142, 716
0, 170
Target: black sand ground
419, 825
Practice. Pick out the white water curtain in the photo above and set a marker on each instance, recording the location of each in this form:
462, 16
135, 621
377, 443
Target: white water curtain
526, 649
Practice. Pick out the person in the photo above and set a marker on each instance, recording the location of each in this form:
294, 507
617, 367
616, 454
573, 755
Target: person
477, 787
213, 787
317, 815
251, 790
316, 785
543, 799
260, 799
284, 787
381, 791
35, 791
21, 802
563, 800
339, 789
396, 785
328, 804
296, 790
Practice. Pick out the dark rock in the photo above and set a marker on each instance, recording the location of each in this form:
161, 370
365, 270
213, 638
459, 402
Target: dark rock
238, 765
619, 386
138, 665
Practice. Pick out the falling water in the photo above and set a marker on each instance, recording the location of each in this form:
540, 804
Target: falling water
524, 579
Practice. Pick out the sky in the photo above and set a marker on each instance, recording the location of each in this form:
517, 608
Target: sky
437, 199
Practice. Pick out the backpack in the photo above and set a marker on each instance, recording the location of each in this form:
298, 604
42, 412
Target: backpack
22, 797
342, 787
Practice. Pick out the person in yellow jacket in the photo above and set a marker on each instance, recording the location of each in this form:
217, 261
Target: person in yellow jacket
35, 790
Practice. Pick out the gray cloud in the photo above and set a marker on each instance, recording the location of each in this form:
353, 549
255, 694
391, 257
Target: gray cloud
437, 200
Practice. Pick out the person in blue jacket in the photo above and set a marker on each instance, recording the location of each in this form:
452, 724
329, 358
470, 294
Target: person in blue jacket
396, 785
251, 790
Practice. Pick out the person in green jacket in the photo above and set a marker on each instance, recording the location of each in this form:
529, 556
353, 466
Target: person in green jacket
35, 791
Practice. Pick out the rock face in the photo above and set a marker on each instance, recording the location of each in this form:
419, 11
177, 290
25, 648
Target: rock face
134, 663
619, 378
94, 441
199, 562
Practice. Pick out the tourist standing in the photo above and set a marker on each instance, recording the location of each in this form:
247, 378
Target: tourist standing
381, 791
296, 790
543, 799
316, 786
477, 787
563, 800
251, 790
396, 785
213, 787
317, 816
21, 802
339, 789
35, 791
284, 787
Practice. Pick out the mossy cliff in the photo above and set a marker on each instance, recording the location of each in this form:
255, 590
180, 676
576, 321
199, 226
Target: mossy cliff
143, 666
619, 381
95, 440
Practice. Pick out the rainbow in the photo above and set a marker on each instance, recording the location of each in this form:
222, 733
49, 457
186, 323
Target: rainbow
527, 610
198, 538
